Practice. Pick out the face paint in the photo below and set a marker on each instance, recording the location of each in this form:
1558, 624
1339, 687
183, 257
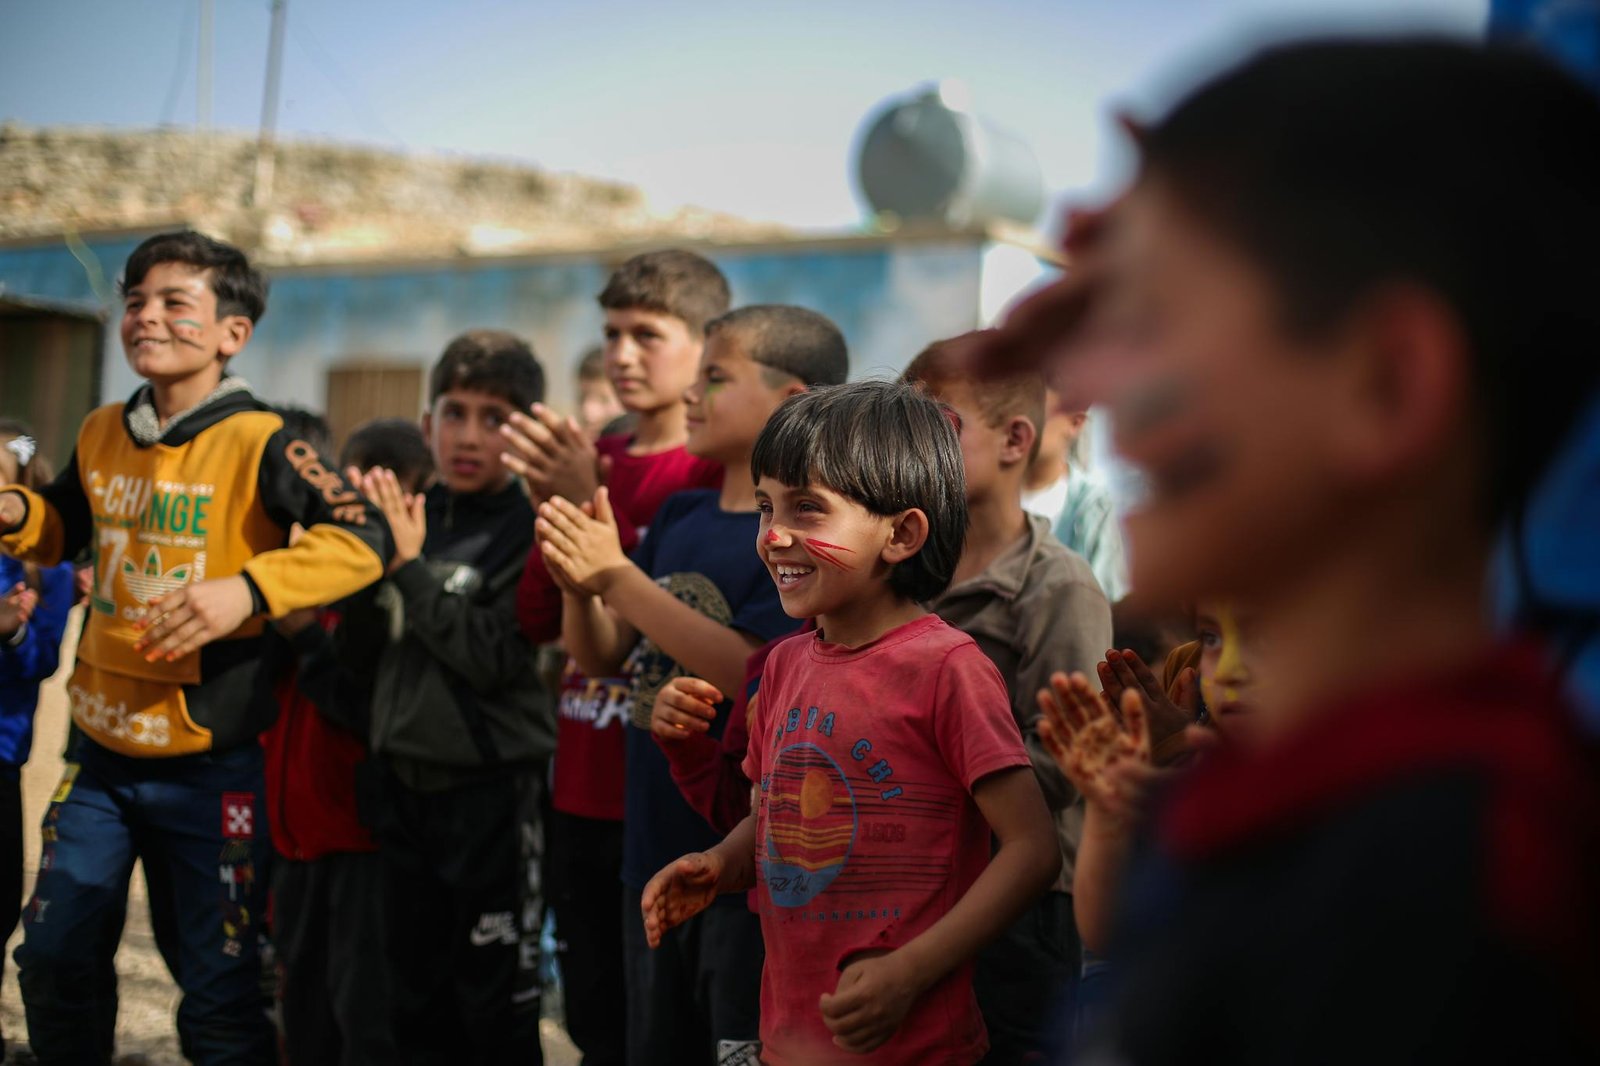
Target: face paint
824, 551
708, 395
187, 330
1222, 689
772, 536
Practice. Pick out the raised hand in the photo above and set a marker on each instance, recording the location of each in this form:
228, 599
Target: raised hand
679, 892
16, 607
185, 619
1124, 671
551, 454
1088, 742
871, 1000
13, 509
406, 514
581, 549
684, 706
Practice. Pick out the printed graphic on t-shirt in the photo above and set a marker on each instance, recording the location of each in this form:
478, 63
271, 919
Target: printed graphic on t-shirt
649, 666
598, 702
836, 816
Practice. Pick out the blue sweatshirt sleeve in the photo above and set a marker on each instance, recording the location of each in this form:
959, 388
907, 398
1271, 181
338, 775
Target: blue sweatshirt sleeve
37, 655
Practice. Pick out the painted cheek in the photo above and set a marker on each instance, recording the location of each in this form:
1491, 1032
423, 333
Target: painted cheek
825, 551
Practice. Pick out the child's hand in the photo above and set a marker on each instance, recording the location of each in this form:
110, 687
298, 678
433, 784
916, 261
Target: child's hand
1124, 671
16, 608
186, 618
873, 997
586, 548
684, 706
13, 509
407, 515
679, 892
1087, 740
552, 455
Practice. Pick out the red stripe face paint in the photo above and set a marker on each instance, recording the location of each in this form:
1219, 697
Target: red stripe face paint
772, 536
824, 551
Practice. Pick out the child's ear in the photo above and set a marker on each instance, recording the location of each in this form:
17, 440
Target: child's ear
236, 333
426, 421
1407, 394
906, 536
794, 388
1020, 435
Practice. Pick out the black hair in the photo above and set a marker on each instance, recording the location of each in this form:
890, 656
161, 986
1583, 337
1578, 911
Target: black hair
1339, 167
240, 289
790, 341
888, 447
672, 282
307, 426
493, 361
396, 443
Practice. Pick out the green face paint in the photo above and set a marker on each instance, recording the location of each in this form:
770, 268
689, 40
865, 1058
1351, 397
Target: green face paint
186, 322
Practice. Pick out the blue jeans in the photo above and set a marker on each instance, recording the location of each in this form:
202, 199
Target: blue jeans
197, 823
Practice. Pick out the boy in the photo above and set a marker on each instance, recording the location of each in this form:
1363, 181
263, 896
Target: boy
1324, 368
600, 413
656, 308
461, 724
1033, 607
883, 746
327, 917
700, 607
186, 494
1079, 508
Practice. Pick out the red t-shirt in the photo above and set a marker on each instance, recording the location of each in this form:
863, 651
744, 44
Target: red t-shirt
589, 733
867, 833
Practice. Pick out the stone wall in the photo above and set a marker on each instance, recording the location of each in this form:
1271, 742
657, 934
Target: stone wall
328, 202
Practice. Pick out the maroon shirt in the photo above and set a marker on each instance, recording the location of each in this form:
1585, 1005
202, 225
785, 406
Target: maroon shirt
590, 745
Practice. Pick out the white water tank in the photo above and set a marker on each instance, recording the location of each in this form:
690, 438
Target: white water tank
929, 158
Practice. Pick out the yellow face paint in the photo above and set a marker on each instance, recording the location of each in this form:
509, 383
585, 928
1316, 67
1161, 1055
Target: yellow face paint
1231, 674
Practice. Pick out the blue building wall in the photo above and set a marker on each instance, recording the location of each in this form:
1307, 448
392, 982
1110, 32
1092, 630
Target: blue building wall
889, 297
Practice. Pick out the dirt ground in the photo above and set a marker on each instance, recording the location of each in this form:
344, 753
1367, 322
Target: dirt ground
149, 999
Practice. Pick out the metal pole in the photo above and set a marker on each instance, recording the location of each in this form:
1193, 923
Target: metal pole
202, 93
265, 153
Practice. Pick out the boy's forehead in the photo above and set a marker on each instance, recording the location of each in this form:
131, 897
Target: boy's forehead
173, 274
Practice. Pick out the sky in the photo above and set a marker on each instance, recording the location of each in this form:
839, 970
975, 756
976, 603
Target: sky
752, 109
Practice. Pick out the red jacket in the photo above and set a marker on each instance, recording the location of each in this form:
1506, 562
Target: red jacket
311, 774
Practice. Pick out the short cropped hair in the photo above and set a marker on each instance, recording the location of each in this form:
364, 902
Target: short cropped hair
308, 426
240, 289
999, 399
672, 282
790, 341
1486, 185
887, 446
395, 443
489, 360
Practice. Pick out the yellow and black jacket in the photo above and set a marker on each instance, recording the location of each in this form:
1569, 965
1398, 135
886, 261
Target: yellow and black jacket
211, 495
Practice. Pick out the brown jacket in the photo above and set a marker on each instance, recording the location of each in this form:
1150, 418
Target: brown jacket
1036, 609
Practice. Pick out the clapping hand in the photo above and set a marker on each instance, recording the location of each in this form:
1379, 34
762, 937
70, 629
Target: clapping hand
405, 513
16, 607
1106, 758
1124, 671
551, 454
582, 550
